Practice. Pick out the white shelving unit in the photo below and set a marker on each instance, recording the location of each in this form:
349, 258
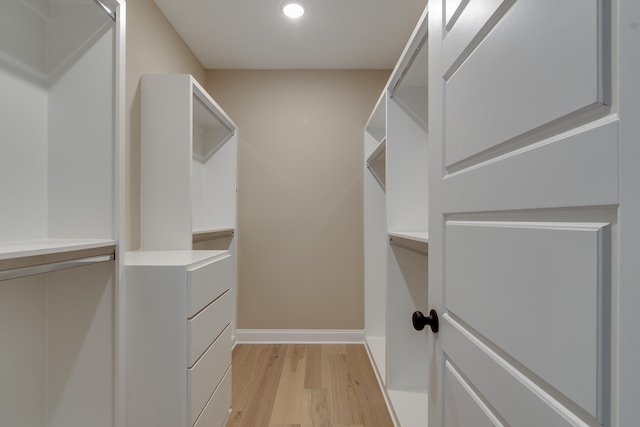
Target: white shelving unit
187, 252
188, 183
61, 127
375, 236
396, 233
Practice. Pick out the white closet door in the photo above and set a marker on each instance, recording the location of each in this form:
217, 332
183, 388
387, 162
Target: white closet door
525, 197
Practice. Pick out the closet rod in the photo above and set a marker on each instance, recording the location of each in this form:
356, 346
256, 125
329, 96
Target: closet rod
106, 9
15, 273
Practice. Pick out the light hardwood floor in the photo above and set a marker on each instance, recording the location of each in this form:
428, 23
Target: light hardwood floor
299, 385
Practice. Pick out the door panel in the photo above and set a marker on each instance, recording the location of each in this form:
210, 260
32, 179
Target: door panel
463, 406
518, 400
478, 17
551, 282
453, 7
520, 77
524, 192
543, 170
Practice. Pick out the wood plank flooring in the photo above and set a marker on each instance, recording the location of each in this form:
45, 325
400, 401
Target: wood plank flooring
300, 385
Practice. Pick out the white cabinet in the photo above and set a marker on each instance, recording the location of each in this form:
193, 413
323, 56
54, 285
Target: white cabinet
61, 127
180, 297
178, 339
396, 233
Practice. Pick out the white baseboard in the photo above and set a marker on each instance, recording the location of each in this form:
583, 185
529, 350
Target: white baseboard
299, 336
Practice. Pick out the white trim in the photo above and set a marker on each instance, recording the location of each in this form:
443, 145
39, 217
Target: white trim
382, 387
299, 336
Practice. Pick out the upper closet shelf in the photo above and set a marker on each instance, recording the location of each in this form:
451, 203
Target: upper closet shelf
377, 163
210, 121
409, 80
378, 152
377, 123
402, 74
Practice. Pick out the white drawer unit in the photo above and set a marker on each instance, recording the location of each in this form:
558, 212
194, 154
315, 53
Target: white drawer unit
178, 338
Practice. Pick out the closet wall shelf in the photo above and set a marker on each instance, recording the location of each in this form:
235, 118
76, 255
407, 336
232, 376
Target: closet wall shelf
377, 165
35, 248
413, 241
379, 151
204, 235
377, 123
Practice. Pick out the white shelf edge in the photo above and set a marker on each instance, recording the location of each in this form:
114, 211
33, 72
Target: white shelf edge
213, 233
200, 93
412, 240
419, 32
29, 248
378, 151
377, 114
418, 236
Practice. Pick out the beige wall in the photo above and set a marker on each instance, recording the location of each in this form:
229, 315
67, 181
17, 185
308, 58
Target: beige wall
300, 199
153, 47
300, 177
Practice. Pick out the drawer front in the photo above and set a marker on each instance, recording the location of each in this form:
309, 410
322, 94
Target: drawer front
207, 325
208, 282
206, 374
216, 412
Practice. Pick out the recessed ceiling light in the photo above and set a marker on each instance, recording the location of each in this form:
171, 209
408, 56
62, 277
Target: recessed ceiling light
293, 9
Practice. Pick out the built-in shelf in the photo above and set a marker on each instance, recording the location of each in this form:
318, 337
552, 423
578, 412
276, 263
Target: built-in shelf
376, 125
415, 241
418, 236
24, 249
396, 233
377, 163
202, 235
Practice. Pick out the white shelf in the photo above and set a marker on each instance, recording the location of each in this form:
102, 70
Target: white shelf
14, 250
171, 258
376, 163
418, 236
378, 152
209, 234
411, 407
413, 241
376, 125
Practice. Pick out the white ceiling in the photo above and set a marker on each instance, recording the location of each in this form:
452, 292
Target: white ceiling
333, 34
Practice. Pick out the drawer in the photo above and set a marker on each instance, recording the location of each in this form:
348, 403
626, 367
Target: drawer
208, 282
207, 325
206, 374
217, 411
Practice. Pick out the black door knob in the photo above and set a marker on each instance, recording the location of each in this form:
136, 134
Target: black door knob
420, 321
